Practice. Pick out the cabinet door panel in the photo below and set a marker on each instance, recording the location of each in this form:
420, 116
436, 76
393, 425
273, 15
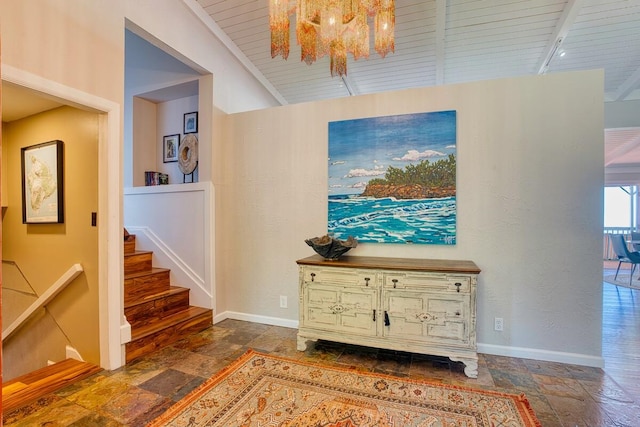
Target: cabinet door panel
452, 321
338, 308
421, 316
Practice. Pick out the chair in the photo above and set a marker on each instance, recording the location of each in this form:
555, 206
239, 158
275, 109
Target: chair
635, 239
624, 254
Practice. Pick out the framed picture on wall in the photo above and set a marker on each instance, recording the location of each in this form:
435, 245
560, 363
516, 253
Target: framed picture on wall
191, 122
170, 148
42, 183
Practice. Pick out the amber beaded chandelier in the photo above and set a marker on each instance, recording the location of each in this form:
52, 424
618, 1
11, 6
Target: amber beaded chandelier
332, 27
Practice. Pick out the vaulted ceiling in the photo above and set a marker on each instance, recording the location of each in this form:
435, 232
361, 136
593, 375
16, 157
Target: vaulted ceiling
452, 41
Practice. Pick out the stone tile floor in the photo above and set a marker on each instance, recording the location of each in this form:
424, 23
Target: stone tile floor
561, 394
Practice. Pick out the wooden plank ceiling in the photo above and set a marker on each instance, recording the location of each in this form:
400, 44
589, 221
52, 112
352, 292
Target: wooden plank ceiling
453, 41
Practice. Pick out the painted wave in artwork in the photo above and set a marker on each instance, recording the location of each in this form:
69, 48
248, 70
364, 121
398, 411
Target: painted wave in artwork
423, 221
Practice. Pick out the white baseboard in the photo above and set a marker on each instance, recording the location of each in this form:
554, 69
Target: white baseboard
266, 320
546, 355
498, 350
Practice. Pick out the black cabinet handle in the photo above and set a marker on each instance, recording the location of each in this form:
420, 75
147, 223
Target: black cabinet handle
395, 282
458, 284
386, 319
366, 281
374, 315
313, 276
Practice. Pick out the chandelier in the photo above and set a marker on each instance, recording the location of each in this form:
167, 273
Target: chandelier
332, 27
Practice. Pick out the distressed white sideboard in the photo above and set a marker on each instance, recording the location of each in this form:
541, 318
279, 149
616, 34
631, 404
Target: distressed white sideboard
415, 305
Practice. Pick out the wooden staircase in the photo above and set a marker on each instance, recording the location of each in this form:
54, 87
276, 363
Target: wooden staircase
159, 314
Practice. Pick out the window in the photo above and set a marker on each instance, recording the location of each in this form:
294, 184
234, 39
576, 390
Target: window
620, 207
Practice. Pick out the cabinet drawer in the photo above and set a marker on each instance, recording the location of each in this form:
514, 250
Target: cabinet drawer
431, 282
337, 276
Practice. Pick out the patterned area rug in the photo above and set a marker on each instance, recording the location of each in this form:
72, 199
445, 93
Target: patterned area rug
623, 280
261, 390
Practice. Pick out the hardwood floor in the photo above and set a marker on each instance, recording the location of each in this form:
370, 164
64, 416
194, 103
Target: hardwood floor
621, 335
562, 395
25, 389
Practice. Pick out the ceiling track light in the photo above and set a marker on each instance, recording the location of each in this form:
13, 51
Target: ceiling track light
347, 84
556, 46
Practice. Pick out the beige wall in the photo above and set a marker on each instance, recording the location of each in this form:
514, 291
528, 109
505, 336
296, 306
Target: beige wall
145, 137
45, 251
529, 199
76, 43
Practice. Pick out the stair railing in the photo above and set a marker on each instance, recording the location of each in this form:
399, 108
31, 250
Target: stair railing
43, 300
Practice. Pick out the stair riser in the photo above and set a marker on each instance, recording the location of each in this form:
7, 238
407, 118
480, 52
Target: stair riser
150, 343
130, 245
138, 288
143, 314
137, 262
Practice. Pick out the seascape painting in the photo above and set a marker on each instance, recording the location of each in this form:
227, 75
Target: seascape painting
392, 179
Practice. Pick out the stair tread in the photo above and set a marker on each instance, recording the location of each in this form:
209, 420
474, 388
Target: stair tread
146, 330
173, 290
153, 270
137, 252
26, 388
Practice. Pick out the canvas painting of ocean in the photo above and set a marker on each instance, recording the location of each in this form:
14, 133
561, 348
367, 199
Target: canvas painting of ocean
392, 179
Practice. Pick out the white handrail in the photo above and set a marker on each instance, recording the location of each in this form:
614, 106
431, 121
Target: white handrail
44, 299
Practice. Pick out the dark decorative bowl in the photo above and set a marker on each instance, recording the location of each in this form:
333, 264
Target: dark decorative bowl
330, 248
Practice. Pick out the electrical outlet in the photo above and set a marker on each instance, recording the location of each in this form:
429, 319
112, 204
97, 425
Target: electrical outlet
498, 324
283, 301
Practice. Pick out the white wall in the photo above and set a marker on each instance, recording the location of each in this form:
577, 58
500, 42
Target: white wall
180, 32
530, 175
170, 121
174, 221
622, 114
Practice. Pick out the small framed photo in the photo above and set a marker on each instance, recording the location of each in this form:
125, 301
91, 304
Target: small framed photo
170, 148
42, 183
191, 122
